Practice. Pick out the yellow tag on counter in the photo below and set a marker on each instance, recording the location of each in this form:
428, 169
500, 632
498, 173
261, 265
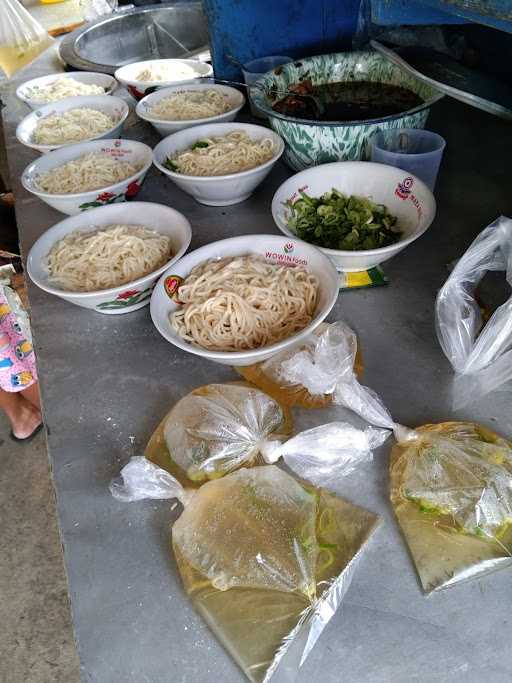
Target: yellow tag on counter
374, 277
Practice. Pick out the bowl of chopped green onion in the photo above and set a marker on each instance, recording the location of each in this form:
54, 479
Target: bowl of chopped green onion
358, 213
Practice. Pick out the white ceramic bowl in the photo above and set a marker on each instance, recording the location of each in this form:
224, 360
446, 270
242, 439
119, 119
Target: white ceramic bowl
404, 195
127, 75
135, 152
216, 190
112, 106
273, 248
233, 97
128, 297
25, 92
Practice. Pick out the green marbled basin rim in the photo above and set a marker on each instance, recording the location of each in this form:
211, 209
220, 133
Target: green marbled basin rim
336, 67
309, 143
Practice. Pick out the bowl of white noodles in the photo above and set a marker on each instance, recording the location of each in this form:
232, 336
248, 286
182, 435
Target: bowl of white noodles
54, 87
109, 258
241, 300
84, 176
71, 120
172, 109
219, 163
143, 78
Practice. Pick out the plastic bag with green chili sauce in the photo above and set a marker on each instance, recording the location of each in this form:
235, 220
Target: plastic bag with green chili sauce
265, 559
451, 488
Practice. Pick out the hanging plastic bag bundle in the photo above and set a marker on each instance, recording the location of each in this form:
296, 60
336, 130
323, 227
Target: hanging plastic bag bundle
217, 428
265, 559
451, 488
22, 38
480, 355
329, 347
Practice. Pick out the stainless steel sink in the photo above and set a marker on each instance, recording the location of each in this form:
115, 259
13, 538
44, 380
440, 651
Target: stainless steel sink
157, 31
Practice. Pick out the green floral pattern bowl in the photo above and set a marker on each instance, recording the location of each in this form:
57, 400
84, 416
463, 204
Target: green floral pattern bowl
309, 143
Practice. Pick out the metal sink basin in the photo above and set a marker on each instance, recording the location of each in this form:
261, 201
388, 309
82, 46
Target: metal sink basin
154, 32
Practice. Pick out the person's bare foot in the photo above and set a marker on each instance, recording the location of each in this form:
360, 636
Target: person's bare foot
28, 419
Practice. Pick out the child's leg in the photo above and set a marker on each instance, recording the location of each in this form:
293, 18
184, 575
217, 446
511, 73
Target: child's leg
31, 393
23, 416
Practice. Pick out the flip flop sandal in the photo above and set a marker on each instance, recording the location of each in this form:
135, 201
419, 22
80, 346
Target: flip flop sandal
28, 438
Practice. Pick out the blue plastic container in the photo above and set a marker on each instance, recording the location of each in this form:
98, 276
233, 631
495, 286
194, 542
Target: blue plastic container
250, 29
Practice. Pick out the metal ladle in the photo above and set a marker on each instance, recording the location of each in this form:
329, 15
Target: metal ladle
319, 107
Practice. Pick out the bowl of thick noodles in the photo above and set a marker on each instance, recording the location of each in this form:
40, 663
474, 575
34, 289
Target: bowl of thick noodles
219, 163
72, 120
240, 300
84, 176
109, 258
54, 87
143, 78
172, 109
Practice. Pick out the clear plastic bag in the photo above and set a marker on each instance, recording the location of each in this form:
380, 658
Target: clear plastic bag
265, 559
94, 9
219, 428
327, 367
328, 348
215, 429
451, 487
480, 355
22, 38
255, 528
324, 454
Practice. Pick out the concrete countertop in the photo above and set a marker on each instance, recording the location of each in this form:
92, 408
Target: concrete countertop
107, 382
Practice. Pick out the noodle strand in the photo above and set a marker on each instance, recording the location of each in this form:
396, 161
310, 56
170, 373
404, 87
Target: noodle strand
108, 257
222, 154
88, 172
189, 105
244, 303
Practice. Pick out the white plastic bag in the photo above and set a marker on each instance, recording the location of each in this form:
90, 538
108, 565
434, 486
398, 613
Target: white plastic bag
481, 357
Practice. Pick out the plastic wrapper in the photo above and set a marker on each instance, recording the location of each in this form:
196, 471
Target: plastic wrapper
480, 355
314, 361
22, 38
215, 429
94, 9
326, 367
265, 559
451, 488
218, 428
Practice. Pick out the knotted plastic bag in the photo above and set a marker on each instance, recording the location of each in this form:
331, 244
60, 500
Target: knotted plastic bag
327, 367
480, 355
218, 428
265, 559
22, 38
451, 487
315, 361
252, 529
